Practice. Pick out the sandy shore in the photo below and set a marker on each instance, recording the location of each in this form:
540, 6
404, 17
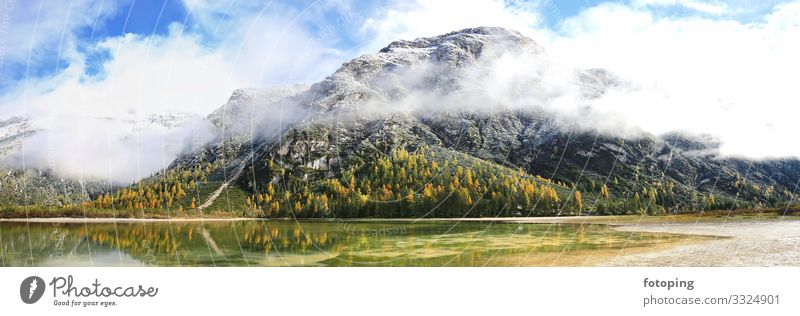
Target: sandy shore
740, 243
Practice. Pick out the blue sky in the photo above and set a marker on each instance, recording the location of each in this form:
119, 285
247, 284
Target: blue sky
110, 19
147, 18
154, 17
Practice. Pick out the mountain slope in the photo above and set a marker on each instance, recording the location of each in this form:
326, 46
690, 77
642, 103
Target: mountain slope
31, 179
426, 128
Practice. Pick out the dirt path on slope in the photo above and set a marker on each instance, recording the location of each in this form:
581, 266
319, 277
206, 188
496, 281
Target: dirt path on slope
215, 195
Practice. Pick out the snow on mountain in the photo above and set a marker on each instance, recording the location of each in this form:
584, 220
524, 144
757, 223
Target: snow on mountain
12, 132
249, 107
487, 93
15, 130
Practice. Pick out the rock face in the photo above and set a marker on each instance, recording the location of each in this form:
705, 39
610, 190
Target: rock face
437, 93
425, 64
372, 105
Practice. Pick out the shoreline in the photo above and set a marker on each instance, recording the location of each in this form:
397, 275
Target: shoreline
608, 220
521, 220
103, 220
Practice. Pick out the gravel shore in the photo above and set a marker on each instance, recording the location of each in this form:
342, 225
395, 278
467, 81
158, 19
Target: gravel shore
737, 244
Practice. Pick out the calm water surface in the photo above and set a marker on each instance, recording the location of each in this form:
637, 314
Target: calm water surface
320, 243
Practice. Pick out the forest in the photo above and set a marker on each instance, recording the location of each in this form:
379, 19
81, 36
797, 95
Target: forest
421, 183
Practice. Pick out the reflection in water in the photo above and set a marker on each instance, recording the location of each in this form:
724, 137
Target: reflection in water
310, 243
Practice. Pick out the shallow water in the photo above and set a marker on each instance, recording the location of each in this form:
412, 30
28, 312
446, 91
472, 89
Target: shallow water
740, 243
319, 243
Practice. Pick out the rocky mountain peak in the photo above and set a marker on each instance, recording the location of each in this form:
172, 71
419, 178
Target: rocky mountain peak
456, 49
466, 43
430, 63
245, 103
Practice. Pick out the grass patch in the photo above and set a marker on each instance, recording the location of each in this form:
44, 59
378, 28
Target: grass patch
10, 211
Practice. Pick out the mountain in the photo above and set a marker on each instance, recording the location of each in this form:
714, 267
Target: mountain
461, 124
24, 181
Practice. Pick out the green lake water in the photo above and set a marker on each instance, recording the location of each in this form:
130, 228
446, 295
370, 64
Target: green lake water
319, 243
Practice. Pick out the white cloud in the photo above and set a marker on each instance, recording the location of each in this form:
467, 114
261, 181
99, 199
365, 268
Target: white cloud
143, 75
40, 32
722, 77
693, 73
709, 7
192, 69
114, 150
84, 121
268, 43
421, 18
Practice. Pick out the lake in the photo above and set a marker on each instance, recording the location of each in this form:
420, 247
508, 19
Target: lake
321, 243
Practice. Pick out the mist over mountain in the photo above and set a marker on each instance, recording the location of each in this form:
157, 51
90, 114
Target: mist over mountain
487, 95
66, 160
487, 98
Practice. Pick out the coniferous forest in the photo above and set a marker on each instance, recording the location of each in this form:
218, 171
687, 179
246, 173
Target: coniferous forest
426, 182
